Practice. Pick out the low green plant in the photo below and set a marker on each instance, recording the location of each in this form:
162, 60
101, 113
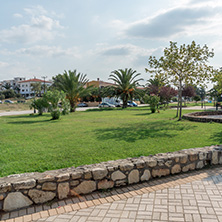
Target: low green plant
153, 100
55, 114
40, 105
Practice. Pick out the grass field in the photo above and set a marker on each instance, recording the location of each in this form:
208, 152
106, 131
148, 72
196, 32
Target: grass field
34, 143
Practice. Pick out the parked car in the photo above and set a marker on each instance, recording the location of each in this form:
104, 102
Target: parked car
0, 102
131, 103
8, 101
82, 105
105, 105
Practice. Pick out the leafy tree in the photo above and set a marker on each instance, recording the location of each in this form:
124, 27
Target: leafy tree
188, 92
217, 80
196, 98
2, 96
126, 83
7, 86
183, 65
167, 93
8, 93
72, 83
57, 103
39, 104
202, 93
36, 88
213, 93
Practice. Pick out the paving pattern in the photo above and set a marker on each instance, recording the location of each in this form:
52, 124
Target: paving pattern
194, 196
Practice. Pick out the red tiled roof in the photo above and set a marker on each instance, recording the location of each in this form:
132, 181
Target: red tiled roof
34, 80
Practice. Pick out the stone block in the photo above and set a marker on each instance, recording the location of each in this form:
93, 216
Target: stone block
2, 196
63, 190
118, 175
133, 177
76, 175
5, 187
151, 162
16, 200
87, 174
200, 165
139, 164
176, 169
214, 157
105, 184
46, 178
120, 183
184, 158
49, 186
74, 183
220, 160
202, 156
126, 166
160, 172
39, 196
63, 177
146, 175
188, 167
99, 173
193, 157
26, 184
168, 163
85, 187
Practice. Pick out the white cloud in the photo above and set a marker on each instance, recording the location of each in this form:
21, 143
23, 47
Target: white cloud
17, 15
3, 64
176, 21
49, 51
39, 27
35, 10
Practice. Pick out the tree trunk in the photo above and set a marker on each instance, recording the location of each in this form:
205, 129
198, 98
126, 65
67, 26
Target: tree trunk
73, 106
180, 101
178, 104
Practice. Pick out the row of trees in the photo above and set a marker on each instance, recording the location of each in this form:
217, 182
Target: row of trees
182, 67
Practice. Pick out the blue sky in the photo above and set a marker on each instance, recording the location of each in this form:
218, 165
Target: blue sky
46, 37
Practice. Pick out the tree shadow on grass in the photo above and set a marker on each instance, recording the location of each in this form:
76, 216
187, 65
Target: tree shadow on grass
30, 122
24, 116
217, 137
143, 114
141, 131
27, 119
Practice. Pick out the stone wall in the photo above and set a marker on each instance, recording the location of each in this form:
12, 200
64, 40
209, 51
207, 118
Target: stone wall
204, 116
23, 190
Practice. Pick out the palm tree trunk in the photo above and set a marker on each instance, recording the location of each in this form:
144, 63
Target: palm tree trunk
73, 106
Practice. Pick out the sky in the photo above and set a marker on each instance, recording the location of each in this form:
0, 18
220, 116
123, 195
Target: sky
96, 37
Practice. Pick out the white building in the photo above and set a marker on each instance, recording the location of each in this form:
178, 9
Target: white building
26, 86
13, 83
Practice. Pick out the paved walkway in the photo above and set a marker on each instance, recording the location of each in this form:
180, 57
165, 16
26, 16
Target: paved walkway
194, 196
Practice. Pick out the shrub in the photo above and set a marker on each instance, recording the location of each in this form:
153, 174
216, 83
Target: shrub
55, 114
40, 105
153, 100
9, 93
2, 96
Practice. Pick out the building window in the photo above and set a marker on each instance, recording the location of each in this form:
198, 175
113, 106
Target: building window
23, 90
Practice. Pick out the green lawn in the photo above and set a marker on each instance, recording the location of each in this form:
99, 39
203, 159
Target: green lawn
34, 143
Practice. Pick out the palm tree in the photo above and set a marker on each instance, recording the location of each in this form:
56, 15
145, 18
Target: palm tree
126, 83
72, 83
